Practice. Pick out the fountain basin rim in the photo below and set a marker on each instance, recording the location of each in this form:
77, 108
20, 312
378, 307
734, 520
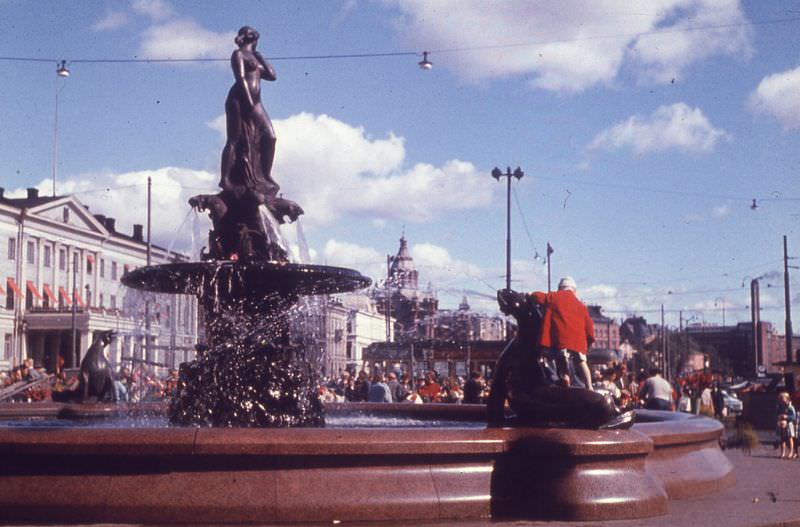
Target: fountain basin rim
315, 442
287, 277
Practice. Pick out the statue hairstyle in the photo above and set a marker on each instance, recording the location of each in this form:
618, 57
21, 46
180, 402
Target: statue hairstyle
246, 33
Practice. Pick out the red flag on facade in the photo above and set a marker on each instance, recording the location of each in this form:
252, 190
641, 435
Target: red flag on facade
78, 299
50, 295
14, 287
64, 295
32, 289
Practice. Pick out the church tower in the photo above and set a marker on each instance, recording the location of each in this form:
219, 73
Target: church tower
402, 272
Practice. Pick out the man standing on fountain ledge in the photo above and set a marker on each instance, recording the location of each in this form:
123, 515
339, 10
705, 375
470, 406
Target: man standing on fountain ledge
567, 329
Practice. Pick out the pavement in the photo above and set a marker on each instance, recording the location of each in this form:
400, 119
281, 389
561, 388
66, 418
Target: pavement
766, 494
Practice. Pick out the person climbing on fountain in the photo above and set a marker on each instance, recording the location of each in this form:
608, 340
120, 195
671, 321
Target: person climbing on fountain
567, 330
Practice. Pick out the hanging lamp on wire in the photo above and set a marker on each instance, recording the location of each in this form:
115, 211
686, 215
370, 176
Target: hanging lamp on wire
425, 64
62, 70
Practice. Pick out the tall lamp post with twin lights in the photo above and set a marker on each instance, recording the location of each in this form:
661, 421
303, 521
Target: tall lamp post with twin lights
497, 174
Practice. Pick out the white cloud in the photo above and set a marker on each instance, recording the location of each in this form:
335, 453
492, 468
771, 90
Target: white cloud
368, 261
674, 127
332, 169
573, 45
155, 9
112, 20
778, 96
124, 197
662, 56
451, 278
184, 39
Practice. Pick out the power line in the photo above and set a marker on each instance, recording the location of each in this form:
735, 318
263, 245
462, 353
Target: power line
413, 53
624, 186
525, 224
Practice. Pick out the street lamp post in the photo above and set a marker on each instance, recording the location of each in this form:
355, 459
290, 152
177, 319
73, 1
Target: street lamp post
721, 302
787, 302
497, 174
63, 72
74, 310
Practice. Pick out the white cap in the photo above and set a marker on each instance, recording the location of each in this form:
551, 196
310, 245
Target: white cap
567, 283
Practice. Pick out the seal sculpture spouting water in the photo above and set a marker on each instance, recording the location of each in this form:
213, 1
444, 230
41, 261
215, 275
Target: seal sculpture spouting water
96, 378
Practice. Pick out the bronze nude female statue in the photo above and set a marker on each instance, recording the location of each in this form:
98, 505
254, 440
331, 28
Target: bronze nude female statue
246, 168
250, 148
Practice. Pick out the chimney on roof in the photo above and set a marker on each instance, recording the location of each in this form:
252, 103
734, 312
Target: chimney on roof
110, 224
2, 191
138, 233
101, 218
33, 193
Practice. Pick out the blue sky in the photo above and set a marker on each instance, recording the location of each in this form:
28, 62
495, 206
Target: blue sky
645, 130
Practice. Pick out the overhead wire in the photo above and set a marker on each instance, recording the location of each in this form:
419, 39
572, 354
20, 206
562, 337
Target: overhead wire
656, 31
686, 193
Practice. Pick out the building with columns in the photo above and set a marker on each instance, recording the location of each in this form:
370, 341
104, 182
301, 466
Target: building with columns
60, 271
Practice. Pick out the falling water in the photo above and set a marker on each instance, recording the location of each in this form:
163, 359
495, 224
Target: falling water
178, 233
272, 229
302, 243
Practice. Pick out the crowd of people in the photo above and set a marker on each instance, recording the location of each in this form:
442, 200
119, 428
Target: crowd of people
145, 383
390, 387
25, 383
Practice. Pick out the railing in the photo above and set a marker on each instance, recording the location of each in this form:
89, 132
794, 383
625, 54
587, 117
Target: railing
78, 310
20, 386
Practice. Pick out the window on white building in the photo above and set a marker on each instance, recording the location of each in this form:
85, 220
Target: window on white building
48, 256
12, 248
112, 300
102, 267
113, 270
62, 259
31, 253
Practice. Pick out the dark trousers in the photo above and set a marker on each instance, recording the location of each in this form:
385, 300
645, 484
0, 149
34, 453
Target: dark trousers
658, 404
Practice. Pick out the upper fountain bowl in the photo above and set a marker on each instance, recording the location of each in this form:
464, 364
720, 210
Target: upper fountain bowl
261, 277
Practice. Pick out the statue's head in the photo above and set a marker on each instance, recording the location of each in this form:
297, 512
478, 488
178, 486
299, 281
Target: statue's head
107, 336
246, 34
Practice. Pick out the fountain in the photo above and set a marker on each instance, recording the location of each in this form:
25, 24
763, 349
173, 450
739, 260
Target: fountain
249, 373
242, 458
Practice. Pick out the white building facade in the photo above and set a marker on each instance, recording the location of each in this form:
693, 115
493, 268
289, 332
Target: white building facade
60, 271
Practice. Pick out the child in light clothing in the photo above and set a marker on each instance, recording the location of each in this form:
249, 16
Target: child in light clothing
786, 435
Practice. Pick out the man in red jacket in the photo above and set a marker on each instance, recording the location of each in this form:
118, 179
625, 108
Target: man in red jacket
567, 327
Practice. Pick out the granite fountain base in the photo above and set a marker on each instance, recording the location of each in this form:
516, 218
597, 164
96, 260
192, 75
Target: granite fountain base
213, 475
